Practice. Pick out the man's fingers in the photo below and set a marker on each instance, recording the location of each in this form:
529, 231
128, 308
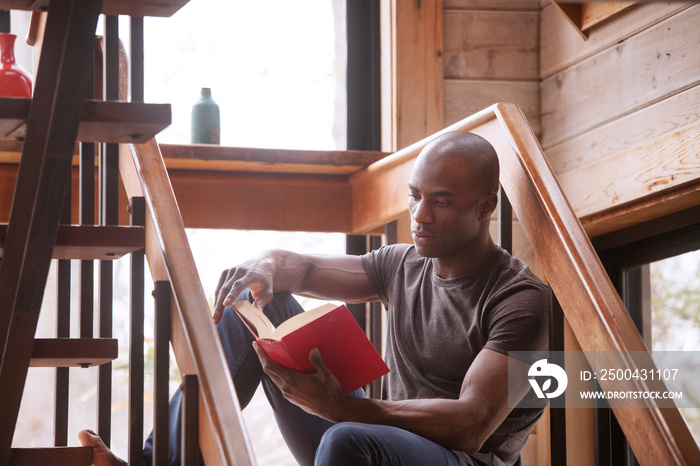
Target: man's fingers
321, 369
275, 371
218, 313
262, 298
222, 280
222, 291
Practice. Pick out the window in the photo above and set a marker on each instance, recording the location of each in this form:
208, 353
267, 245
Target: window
656, 269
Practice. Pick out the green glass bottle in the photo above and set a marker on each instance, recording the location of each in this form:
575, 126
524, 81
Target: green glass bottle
206, 126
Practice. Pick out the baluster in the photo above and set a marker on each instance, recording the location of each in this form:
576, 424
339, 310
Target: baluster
63, 294
190, 420
161, 372
137, 211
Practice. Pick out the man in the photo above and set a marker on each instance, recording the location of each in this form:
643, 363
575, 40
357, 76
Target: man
456, 305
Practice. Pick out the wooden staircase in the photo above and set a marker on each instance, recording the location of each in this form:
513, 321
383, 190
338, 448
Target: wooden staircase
54, 120
39, 230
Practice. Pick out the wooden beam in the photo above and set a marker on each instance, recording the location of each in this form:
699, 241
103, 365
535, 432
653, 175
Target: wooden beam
260, 190
261, 201
412, 71
585, 15
643, 209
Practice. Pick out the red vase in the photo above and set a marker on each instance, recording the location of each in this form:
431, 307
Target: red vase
14, 80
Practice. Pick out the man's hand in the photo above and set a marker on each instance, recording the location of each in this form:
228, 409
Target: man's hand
317, 393
341, 278
256, 274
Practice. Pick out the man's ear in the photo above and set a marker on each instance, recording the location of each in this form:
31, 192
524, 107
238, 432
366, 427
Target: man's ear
487, 206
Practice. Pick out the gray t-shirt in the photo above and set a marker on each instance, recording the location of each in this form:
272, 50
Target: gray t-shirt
436, 327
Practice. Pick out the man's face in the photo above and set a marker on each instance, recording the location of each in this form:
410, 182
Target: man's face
444, 207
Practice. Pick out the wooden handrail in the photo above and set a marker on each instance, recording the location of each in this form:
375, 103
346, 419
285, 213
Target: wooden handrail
592, 306
223, 438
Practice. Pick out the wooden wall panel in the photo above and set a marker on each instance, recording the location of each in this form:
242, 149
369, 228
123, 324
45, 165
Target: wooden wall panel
646, 68
465, 97
626, 133
491, 45
561, 45
491, 55
656, 165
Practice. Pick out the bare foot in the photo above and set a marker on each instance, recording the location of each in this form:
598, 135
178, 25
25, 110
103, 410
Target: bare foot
101, 455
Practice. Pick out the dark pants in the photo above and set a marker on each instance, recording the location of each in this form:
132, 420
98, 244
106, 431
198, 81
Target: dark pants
306, 435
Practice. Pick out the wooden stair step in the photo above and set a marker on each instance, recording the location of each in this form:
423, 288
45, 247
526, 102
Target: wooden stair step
87, 242
54, 456
137, 8
100, 121
73, 352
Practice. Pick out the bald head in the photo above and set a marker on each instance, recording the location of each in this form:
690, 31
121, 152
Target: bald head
476, 156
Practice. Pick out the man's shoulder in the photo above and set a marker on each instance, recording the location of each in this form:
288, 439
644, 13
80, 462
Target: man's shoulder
513, 278
515, 270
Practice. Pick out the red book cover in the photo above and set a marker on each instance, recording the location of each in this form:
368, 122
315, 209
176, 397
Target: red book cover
344, 347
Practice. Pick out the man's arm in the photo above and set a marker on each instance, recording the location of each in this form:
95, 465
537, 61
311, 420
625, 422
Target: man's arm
326, 277
462, 424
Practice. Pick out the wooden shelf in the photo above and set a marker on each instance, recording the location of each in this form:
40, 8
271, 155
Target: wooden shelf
92, 242
62, 456
246, 159
73, 352
100, 121
110, 7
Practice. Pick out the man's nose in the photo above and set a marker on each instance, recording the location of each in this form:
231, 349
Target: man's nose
422, 212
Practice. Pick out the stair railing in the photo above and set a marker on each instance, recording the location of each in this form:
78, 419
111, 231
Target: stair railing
222, 436
597, 315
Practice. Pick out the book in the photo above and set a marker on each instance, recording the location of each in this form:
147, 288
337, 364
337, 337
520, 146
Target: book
344, 347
